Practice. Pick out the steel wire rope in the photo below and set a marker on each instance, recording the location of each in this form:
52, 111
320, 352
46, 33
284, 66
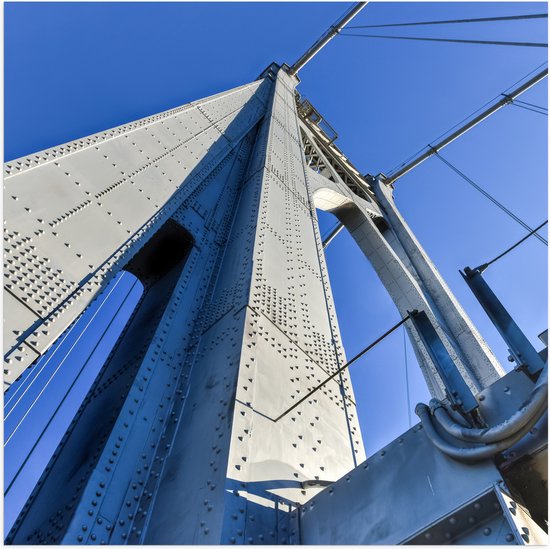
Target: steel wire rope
489, 102
490, 197
527, 75
451, 40
452, 21
514, 104
411, 157
508, 250
52, 416
328, 233
346, 365
30, 379
58, 367
471, 115
530, 105
49, 358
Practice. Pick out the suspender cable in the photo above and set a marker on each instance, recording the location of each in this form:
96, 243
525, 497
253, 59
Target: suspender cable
330, 230
332, 235
28, 409
455, 40
491, 198
506, 99
326, 38
52, 416
431, 149
449, 21
538, 110
347, 365
481, 268
529, 104
26, 386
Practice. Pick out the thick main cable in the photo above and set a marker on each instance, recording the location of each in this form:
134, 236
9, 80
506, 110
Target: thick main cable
452, 21
490, 197
454, 40
326, 37
442, 141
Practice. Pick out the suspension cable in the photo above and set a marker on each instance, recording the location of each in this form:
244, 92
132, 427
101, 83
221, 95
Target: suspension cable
481, 268
490, 197
61, 360
28, 408
449, 21
441, 142
515, 104
333, 234
525, 105
405, 162
327, 234
326, 37
489, 102
60, 404
346, 365
530, 105
429, 150
455, 40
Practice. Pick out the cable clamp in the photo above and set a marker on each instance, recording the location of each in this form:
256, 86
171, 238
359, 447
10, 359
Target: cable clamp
509, 98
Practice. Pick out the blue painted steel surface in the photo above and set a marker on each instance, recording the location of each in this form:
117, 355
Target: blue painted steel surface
521, 348
457, 391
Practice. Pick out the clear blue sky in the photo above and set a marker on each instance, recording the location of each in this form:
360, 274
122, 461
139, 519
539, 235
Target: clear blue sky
72, 69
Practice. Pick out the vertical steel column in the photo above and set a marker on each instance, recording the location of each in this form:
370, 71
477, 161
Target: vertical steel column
458, 393
269, 334
520, 347
459, 327
184, 168
395, 274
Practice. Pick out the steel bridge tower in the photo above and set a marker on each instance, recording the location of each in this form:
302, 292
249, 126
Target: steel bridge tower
182, 437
